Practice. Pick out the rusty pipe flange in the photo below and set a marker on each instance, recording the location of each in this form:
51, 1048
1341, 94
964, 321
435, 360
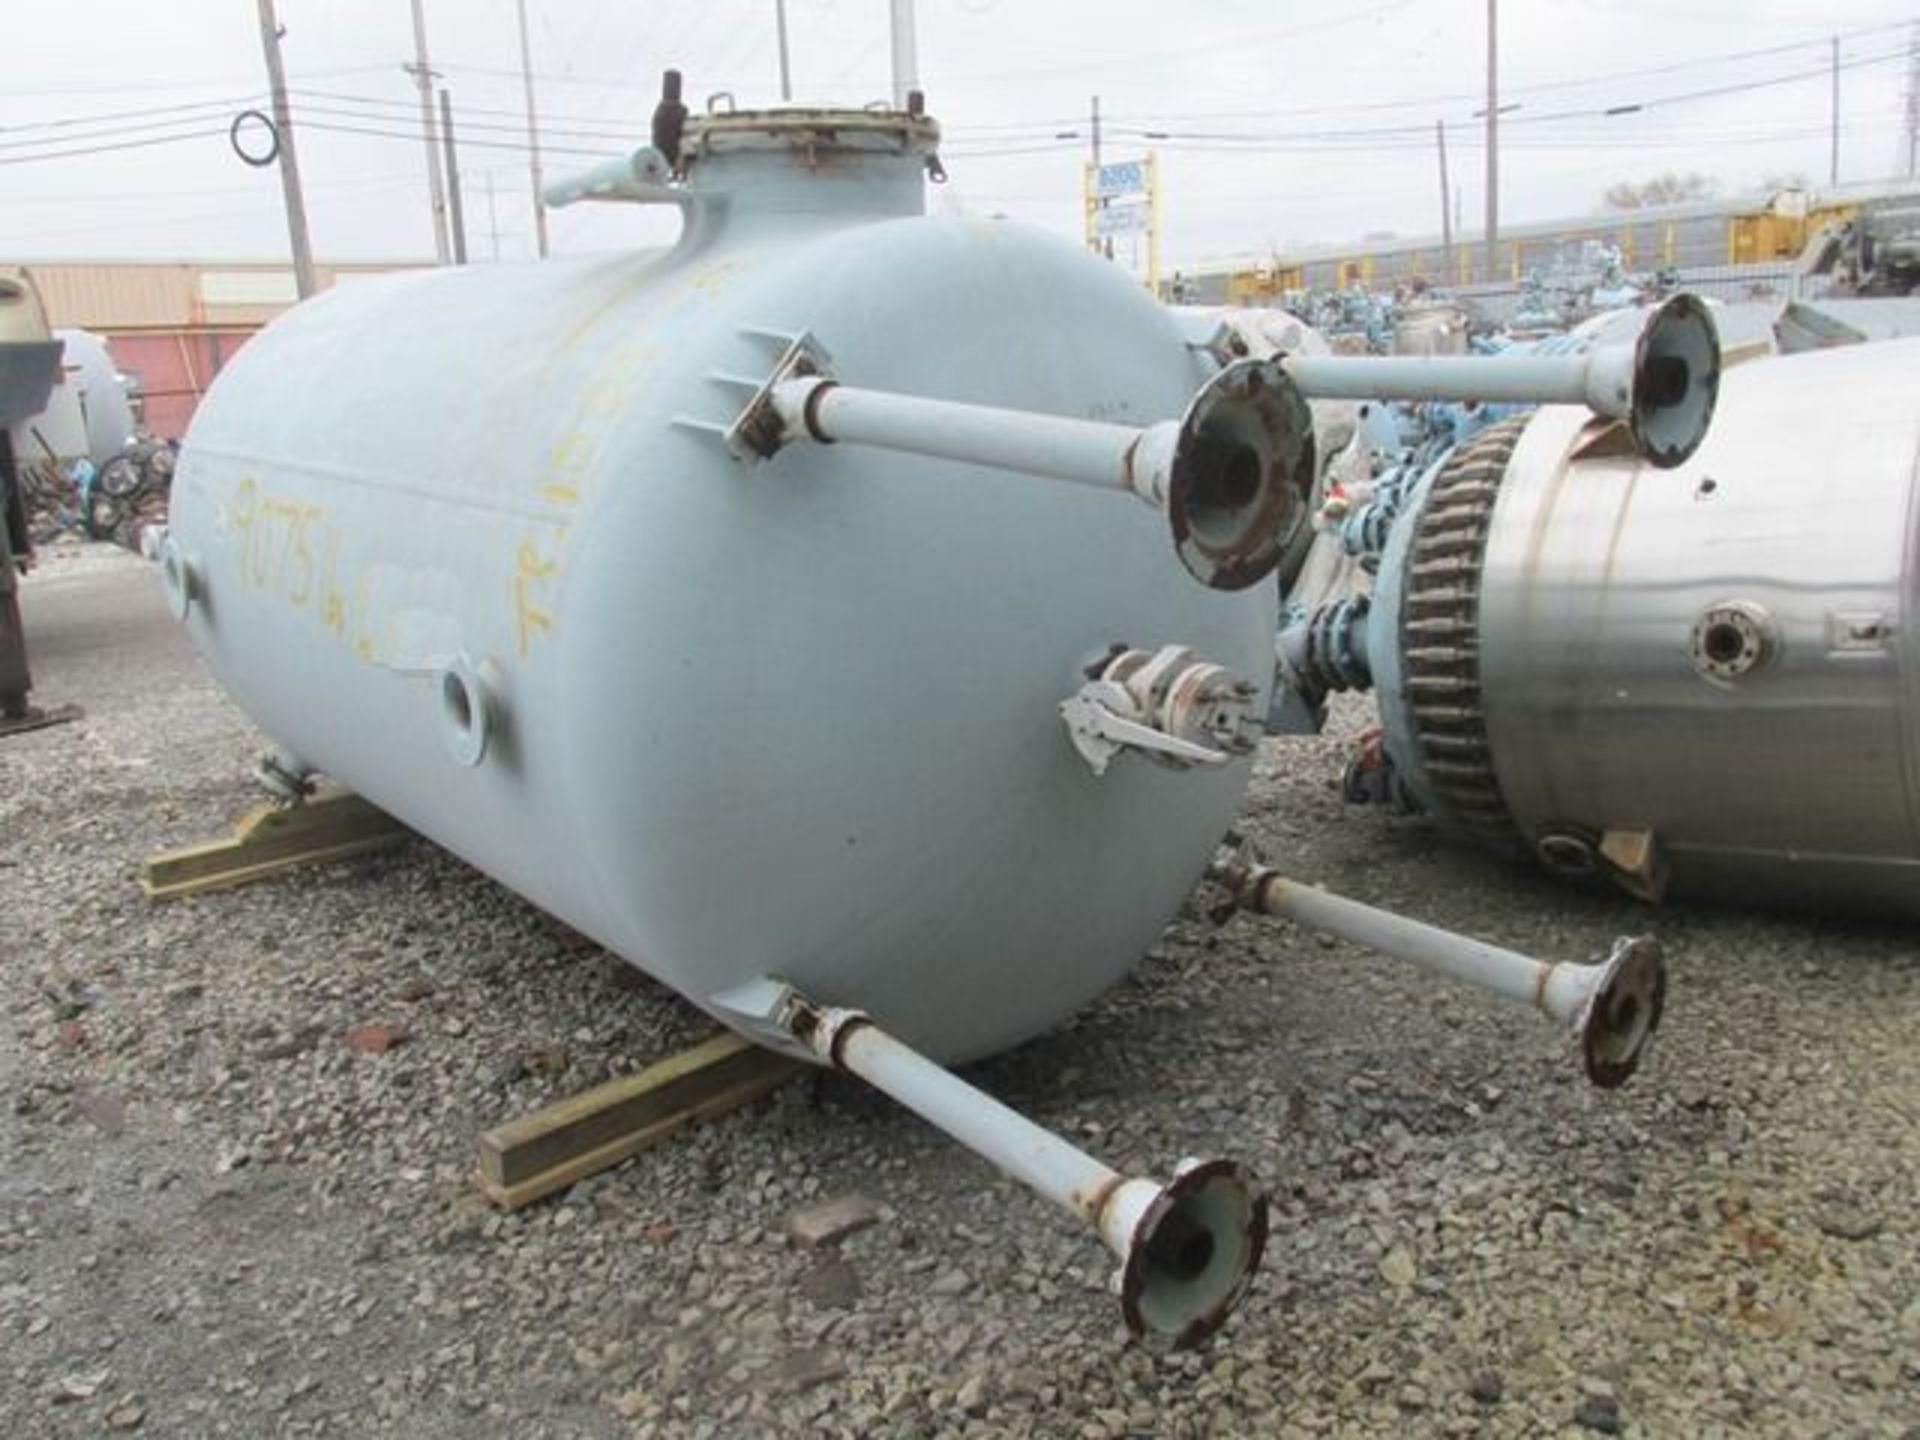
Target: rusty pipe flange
1192, 1254
1241, 475
1624, 1011
1676, 381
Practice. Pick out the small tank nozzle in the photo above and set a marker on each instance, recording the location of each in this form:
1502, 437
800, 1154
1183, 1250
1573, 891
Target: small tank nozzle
1232, 475
1612, 1008
1188, 1249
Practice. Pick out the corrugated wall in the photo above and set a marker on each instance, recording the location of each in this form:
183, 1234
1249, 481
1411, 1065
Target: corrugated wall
112, 297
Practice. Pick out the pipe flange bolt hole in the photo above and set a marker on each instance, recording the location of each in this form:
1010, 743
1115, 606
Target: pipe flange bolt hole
1567, 854
1730, 640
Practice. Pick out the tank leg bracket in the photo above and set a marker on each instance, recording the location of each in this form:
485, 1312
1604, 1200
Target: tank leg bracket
271, 840
563, 1143
759, 430
36, 717
16, 715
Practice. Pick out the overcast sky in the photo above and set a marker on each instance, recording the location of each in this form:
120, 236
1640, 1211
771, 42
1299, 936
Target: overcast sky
1287, 122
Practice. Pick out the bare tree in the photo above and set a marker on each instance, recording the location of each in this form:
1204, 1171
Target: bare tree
1671, 188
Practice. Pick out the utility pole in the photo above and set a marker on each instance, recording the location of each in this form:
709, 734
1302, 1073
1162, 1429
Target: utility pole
1833, 148
533, 135
786, 72
1493, 139
289, 162
422, 74
906, 55
1913, 103
458, 222
493, 218
1446, 202
1101, 244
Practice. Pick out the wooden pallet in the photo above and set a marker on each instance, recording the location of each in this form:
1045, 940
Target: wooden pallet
35, 717
565, 1142
334, 824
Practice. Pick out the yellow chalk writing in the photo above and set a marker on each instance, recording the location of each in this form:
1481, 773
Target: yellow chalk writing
540, 554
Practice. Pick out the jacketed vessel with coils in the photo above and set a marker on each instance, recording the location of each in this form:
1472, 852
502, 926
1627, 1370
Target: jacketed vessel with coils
725, 602
1699, 682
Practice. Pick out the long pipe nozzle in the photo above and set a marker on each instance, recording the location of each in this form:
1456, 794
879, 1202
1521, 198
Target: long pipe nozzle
1188, 1248
1612, 1008
1663, 384
1232, 474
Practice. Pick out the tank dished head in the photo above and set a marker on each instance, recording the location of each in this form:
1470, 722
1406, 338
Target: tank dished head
1241, 475
1676, 381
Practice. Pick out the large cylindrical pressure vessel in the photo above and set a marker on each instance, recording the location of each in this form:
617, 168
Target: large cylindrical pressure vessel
1705, 679
471, 541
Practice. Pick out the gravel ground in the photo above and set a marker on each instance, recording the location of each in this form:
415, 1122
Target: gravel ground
217, 1218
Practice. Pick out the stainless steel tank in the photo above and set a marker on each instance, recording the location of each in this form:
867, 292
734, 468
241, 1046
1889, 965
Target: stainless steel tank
1703, 680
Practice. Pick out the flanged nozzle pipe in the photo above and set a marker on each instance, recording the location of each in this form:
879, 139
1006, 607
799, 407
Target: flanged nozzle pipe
1612, 1008
1663, 385
1232, 474
1188, 1248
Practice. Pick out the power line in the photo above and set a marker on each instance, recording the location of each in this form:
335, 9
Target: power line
1427, 102
366, 121
634, 130
1011, 127
1419, 132
413, 137
632, 135
229, 102
115, 146
1158, 56
1007, 130
1044, 147
108, 139
143, 87
1587, 143
157, 129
